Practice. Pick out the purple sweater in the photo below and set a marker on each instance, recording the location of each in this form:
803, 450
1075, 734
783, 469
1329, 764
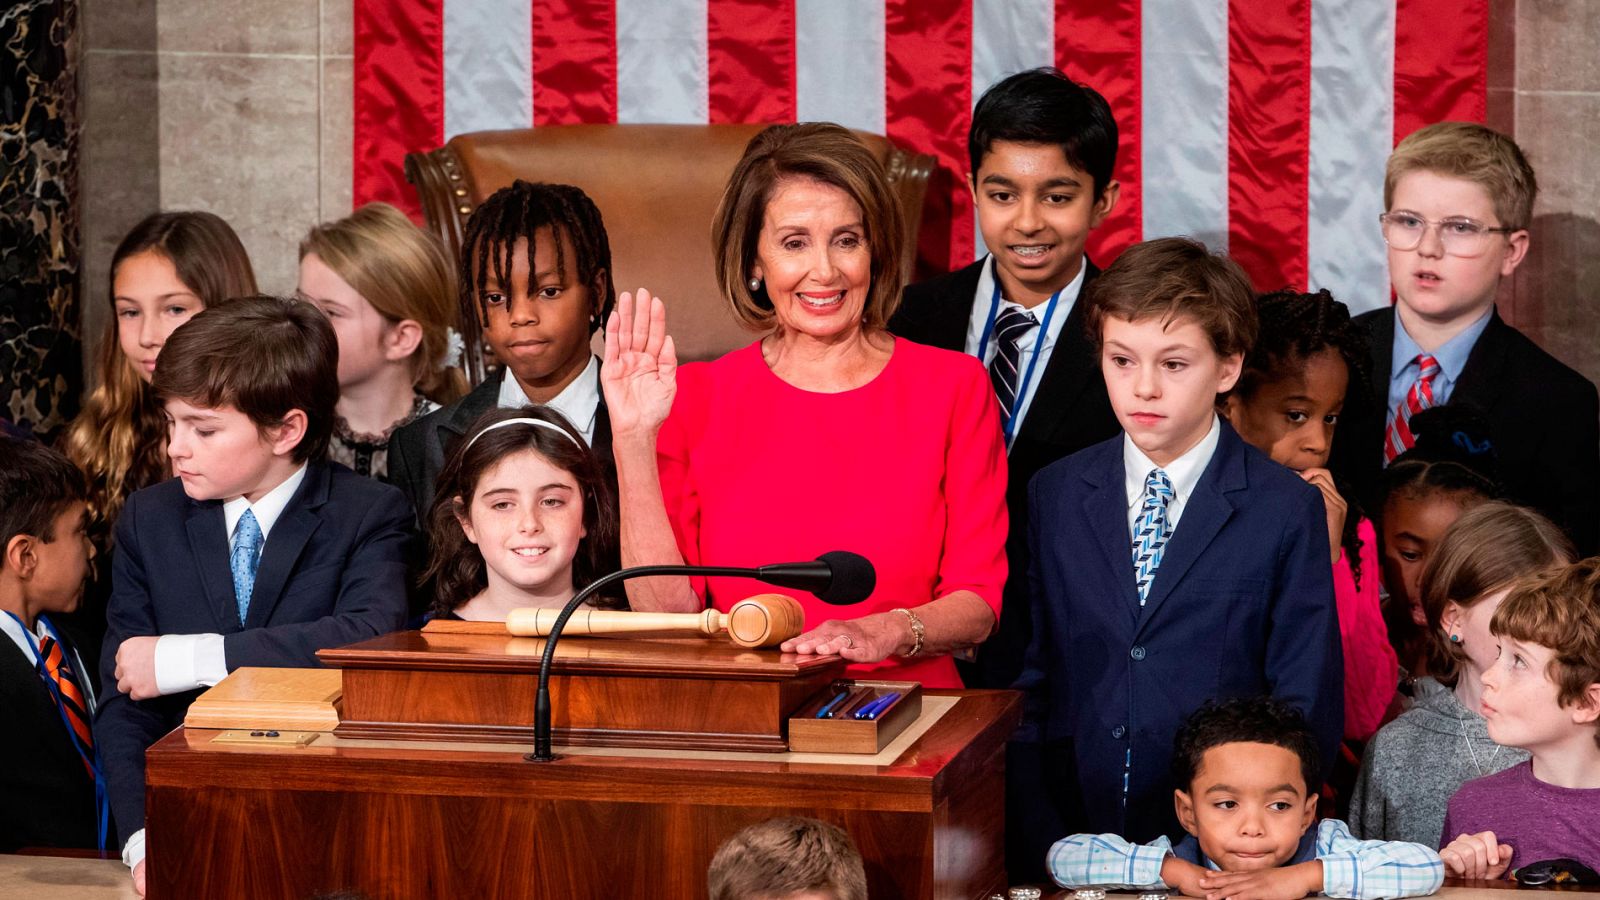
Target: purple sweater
1540, 821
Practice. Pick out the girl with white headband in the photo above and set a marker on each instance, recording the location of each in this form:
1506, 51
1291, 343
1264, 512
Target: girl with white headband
523, 517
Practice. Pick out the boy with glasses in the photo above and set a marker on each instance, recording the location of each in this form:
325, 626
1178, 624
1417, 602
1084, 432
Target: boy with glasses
1459, 199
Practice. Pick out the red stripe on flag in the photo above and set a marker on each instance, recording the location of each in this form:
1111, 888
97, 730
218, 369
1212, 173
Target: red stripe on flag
1098, 44
1441, 62
398, 102
574, 62
1269, 138
750, 61
928, 108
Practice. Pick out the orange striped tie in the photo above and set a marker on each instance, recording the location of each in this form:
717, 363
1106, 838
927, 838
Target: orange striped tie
71, 698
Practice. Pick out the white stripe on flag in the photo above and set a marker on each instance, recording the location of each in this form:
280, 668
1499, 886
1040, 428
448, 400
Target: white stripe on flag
1008, 38
839, 63
661, 62
1352, 129
488, 66
1184, 144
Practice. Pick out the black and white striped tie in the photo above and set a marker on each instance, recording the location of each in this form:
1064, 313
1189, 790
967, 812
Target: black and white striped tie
1013, 323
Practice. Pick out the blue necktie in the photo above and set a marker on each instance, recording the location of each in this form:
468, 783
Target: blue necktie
1151, 530
1008, 330
243, 560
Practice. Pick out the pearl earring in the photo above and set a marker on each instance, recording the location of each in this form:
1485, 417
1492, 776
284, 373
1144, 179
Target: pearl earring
755, 284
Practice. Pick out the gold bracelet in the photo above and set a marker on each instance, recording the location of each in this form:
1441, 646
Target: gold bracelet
918, 630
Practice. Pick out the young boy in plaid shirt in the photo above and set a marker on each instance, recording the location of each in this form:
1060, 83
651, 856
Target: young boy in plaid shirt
1249, 770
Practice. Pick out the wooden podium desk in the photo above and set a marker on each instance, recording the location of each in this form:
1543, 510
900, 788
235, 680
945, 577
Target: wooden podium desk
403, 819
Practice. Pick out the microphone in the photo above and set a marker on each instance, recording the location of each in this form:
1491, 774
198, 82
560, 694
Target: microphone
838, 577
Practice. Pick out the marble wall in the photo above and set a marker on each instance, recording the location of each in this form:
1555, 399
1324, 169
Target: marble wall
40, 360
240, 107
1545, 89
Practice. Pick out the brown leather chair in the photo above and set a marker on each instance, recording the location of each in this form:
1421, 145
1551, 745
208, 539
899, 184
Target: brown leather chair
657, 187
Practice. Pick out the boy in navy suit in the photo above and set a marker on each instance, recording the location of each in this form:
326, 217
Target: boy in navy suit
1042, 150
259, 552
1459, 200
49, 770
1171, 565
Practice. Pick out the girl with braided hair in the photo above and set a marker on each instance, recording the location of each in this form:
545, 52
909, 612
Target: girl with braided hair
1287, 403
535, 284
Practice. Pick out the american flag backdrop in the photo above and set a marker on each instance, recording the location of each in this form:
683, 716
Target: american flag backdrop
1260, 126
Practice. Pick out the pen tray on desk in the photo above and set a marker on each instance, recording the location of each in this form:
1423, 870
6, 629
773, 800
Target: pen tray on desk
844, 733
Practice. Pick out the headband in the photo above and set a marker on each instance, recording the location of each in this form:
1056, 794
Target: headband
538, 423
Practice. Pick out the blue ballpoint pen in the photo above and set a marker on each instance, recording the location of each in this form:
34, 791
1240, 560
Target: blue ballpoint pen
873, 709
827, 708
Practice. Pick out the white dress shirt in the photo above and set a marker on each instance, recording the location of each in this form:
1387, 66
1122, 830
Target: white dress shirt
579, 401
1184, 473
188, 661
1025, 344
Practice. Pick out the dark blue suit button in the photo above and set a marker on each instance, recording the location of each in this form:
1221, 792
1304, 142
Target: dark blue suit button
1119, 732
1137, 652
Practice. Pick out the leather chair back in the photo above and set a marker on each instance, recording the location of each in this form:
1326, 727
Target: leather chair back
657, 187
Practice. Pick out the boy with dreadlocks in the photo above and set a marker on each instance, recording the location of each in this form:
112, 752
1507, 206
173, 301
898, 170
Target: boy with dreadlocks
535, 284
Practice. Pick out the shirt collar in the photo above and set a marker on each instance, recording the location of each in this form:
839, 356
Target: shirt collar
1451, 355
579, 401
268, 508
985, 292
1184, 472
19, 635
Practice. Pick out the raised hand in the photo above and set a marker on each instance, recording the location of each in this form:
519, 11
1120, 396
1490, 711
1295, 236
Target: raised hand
639, 375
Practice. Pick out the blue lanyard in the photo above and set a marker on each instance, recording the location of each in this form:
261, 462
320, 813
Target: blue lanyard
101, 801
1033, 357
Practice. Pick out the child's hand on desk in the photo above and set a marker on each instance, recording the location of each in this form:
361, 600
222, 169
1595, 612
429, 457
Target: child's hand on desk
1476, 856
1183, 876
136, 667
1287, 883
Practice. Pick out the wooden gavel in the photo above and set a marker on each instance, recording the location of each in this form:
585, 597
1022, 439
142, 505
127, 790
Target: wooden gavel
765, 620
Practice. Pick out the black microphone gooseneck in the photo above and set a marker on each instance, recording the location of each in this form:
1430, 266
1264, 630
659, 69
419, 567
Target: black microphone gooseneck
838, 577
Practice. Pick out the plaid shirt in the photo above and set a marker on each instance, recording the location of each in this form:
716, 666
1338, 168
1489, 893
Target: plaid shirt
1358, 870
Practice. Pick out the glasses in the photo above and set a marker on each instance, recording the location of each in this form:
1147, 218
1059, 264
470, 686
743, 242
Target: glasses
1459, 235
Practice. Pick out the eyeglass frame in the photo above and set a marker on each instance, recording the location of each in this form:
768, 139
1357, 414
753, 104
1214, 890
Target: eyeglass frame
1383, 230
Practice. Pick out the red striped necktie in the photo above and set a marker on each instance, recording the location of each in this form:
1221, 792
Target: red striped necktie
73, 709
1399, 438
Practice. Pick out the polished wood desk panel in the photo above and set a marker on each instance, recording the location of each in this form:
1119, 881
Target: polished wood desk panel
399, 819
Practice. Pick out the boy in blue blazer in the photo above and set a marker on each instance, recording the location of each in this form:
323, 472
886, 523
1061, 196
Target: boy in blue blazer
259, 552
1171, 565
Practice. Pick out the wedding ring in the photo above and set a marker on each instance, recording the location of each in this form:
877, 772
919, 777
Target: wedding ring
849, 642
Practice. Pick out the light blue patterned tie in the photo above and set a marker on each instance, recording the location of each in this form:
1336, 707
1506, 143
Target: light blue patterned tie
1150, 531
243, 560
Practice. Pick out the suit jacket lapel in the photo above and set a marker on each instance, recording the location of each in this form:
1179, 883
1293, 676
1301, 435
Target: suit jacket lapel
1382, 363
483, 398
285, 543
1207, 510
1071, 366
948, 323
1106, 505
208, 541
1484, 374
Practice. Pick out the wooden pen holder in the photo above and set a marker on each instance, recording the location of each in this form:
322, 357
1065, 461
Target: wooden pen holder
844, 733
